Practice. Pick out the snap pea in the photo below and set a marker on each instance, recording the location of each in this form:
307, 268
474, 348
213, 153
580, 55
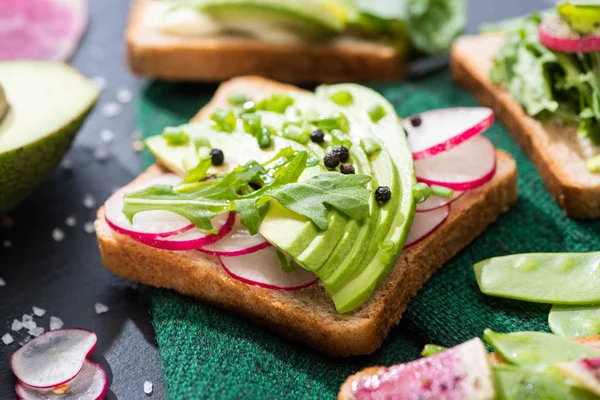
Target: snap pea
555, 278
574, 321
536, 350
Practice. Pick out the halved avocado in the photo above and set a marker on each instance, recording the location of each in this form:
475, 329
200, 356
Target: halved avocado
49, 102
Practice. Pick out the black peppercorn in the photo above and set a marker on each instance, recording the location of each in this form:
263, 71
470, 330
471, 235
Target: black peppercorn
416, 121
342, 153
317, 136
331, 160
383, 194
347, 169
216, 156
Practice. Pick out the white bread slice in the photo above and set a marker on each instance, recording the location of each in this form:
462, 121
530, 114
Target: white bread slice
308, 315
555, 149
179, 58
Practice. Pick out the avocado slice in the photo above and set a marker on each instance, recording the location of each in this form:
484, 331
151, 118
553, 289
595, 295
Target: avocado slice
49, 102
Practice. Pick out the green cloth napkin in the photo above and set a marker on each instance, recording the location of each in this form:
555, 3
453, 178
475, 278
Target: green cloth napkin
208, 353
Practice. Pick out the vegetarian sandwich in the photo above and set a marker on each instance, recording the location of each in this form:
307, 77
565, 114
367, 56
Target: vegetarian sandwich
306, 212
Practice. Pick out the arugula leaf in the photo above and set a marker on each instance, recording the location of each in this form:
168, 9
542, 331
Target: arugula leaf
199, 171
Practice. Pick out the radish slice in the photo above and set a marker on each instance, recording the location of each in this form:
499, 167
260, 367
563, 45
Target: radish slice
435, 202
90, 384
195, 238
261, 268
441, 130
467, 166
238, 242
41, 29
557, 35
53, 358
146, 224
425, 223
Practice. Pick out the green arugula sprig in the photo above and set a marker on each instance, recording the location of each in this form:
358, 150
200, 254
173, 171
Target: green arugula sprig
276, 180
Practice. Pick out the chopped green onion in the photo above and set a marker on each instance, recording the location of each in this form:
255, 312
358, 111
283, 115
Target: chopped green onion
296, 133
200, 142
277, 102
421, 192
248, 107
285, 263
338, 138
376, 112
593, 164
432, 349
370, 146
336, 120
252, 123
224, 120
264, 138
237, 99
175, 136
342, 98
441, 191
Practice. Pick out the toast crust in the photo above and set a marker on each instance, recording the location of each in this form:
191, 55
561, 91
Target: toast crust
555, 149
308, 315
179, 58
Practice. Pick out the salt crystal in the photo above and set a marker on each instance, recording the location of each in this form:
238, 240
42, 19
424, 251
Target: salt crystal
71, 221
57, 235
2, 282
29, 325
101, 154
124, 95
100, 82
88, 227
25, 340
137, 146
37, 331
27, 318
89, 201
107, 136
7, 243
148, 387
56, 323
7, 339
111, 109
38, 312
100, 308
16, 325
66, 164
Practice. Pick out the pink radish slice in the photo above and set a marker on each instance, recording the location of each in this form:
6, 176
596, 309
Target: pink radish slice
464, 167
425, 223
261, 268
443, 129
90, 384
147, 224
41, 29
194, 238
557, 35
238, 242
435, 202
53, 358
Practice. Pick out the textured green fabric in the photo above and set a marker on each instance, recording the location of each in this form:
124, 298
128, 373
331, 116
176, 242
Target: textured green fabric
208, 353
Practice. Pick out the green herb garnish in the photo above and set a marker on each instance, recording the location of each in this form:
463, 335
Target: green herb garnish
200, 142
376, 112
277, 102
296, 133
285, 262
175, 136
223, 120
370, 146
237, 99
441, 191
199, 171
343, 98
593, 164
265, 136
252, 123
336, 120
421, 192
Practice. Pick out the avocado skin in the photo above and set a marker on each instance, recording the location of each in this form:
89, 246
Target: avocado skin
24, 168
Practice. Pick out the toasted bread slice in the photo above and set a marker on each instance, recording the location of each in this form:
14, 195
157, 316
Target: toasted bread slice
555, 149
308, 315
186, 58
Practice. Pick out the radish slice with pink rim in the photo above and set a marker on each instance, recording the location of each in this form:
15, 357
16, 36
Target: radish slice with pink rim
464, 167
425, 223
440, 130
41, 29
556, 34
53, 358
90, 384
261, 268
146, 224
194, 238
435, 202
238, 242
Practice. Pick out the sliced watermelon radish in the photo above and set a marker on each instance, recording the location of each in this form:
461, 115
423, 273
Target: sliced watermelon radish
425, 223
467, 166
238, 242
435, 202
90, 384
194, 238
586, 372
462, 372
443, 129
41, 29
261, 268
53, 358
148, 224
556, 34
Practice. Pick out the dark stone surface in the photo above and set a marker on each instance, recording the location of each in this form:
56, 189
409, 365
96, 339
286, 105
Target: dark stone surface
67, 278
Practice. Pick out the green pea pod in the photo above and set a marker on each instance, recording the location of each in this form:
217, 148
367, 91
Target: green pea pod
574, 321
514, 382
554, 278
536, 350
